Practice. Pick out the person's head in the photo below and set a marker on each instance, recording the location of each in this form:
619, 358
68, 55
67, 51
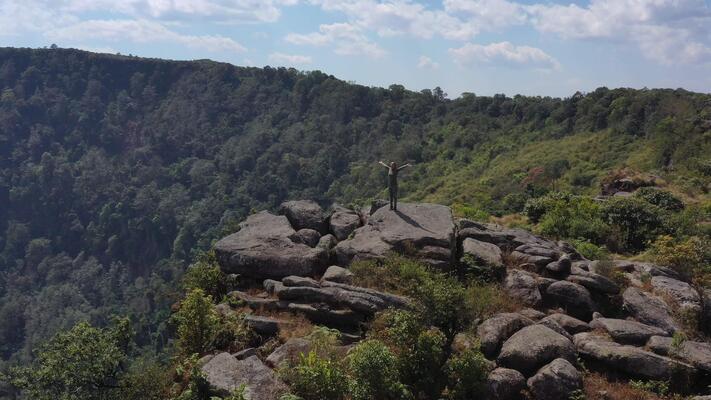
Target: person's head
393, 164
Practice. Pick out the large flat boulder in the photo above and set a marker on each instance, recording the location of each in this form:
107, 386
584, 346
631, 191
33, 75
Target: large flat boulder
305, 214
225, 374
648, 309
533, 347
523, 286
630, 360
697, 354
681, 292
495, 330
420, 227
487, 253
593, 282
570, 324
574, 298
343, 222
627, 332
263, 248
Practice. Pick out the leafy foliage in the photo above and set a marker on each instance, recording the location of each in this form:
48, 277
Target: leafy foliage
317, 378
373, 368
197, 323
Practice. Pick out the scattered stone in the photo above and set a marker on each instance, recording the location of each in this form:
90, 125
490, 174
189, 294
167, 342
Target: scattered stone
272, 286
262, 249
593, 281
334, 273
570, 324
505, 384
327, 242
289, 352
534, 346
263, 326
343, 223
522, 258
697, 354
550, 323
572, 297
300, 281
483, 252
305, 214
682, 293
225, 374
543, 283
560, 267
631, 360
497, 329
323, 314
306, 236
648, 309
242, 354
627, 332
523, 286
532, 314
555, 381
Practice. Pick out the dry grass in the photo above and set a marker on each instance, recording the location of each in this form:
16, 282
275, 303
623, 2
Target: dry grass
597, 387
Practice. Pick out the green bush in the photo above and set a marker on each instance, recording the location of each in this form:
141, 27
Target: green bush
466, 373
197, 323
482, 300
660, 198
232, 333
578, 217
205, 274
589, 250
536, 208
374, 373
634, 222
317, 378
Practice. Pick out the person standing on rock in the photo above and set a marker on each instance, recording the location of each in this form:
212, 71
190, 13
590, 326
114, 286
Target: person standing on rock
393, 169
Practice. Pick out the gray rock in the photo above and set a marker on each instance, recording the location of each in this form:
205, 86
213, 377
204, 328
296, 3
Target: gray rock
555, 381
593, 281
486, 253
522, 258
324, 314
648, 309
532, 314
681, 292
293, 280
327, 242
305, 214
560, 267
574, 298
627, 332
570, 324
225, 374
543, 283
272, 286
262, 249
539, 250
363, 301
242, 354
495, 330
343, 223
334, 273
258, 303
306, 236
631, 360
697, 354
412, 226
263, 326
289, 352
505, 384
534, 346
550, 323
523, 286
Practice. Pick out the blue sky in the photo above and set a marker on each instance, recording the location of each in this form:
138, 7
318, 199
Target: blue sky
529, 47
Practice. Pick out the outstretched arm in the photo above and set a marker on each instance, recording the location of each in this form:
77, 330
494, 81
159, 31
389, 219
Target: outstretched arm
404, 166
383, 164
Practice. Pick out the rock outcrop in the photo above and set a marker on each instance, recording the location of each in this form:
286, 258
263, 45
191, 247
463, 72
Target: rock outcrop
225, 374
533, 347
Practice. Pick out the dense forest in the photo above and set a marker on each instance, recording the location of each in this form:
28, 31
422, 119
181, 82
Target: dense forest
116, 171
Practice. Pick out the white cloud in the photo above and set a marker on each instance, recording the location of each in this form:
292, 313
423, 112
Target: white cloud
289, 59
667, 31
141, 31
426, 63
347, 39
503, 53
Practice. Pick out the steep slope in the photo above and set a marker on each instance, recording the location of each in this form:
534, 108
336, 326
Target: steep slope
114, 170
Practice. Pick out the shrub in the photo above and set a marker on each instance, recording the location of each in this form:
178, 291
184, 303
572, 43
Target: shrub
395, 274
205, 274
657, 387
635, 222
660, 198
466, 373
589, 250
197, 323
317, 378
470, 212
373, 369
579, 217
441, 299
484, 299
685, 256
232, 333
536, 208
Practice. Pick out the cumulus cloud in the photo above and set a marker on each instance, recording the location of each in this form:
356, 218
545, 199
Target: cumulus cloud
289, 59
503, 53
346, 38
426, 63
141, 31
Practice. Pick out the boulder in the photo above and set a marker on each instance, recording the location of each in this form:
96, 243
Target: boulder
305, 214
262, 248
343, 223
539, 250
574, 298
681, 292
524, 258
627, 332
495, 330
263, 326
293, 280
306, 236
523, 286
324, 314
593, 281
533, 347
560, 267
411, 228
327, 242
225, 374
550, 323
483, 252
631, 360
532, 314
555, 381
570, 324
505, 384
334, 273
289, 352
648, 309
242, 354
697, 354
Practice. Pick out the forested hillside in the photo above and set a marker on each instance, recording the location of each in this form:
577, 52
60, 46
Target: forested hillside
115, 171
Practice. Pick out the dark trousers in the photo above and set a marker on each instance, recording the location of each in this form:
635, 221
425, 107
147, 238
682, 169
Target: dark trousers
392, 189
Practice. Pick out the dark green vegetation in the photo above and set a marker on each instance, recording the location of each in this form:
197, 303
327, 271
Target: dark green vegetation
115, 171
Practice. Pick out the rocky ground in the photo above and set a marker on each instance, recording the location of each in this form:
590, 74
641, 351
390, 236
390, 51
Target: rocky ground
622, 318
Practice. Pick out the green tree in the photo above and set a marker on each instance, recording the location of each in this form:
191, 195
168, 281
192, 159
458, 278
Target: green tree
197, 323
